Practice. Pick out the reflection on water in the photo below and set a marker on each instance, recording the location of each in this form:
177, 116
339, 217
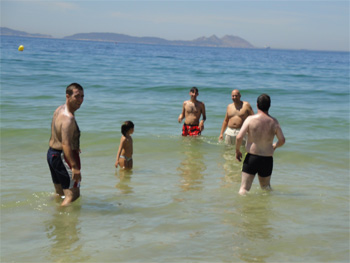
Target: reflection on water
253, 229
63, 232
192, 166
231, 166
124, 181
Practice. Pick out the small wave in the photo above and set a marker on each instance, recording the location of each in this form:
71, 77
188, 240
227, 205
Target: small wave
42, 97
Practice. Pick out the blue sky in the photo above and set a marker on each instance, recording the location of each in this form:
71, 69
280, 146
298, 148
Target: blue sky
316, 25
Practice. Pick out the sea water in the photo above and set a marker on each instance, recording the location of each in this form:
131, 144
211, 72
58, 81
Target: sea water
180, 202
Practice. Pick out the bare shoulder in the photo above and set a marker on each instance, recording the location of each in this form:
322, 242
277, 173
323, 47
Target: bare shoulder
231, 106
274, 119
67, 120
250, 118
246, 104
200, 103
123, 140
61, 112
274, 122
68, 117
59, 108
58, 111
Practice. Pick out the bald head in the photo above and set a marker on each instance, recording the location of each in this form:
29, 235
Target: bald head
236, 95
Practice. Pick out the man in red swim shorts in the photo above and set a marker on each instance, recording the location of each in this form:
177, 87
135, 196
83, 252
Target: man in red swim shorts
190, 130
191, 111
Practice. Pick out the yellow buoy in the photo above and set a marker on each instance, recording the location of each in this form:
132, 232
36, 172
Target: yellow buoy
20, 48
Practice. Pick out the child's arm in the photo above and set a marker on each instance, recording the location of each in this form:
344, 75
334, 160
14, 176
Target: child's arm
122, 140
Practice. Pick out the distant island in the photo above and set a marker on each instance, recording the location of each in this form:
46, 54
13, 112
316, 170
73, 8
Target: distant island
213, 41
10, 32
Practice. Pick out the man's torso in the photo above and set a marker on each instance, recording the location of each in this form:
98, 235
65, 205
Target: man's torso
56, 130
237, 115
193, 111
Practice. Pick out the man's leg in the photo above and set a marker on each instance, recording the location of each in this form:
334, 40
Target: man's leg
265, 182
230, 140
246, 183
58, 190
71, 195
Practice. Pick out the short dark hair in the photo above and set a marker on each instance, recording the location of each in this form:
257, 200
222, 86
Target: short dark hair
70, 87
264, 102
126, 127
194, 89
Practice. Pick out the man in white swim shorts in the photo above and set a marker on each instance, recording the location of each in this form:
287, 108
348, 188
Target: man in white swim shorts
236, 113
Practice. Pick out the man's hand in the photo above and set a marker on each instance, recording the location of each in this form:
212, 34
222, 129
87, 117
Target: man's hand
201, 125
76, 175
238, 155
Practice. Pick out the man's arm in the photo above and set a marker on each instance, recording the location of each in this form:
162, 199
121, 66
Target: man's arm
182, 115
250, 109
224, 125
280, 137
67, 130
239, 138
204, 117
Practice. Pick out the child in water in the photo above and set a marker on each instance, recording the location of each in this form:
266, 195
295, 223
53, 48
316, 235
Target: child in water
124, 155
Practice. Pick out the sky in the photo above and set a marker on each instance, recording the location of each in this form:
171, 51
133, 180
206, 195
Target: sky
295, 24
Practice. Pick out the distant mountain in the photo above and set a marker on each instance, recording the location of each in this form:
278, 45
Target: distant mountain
114, 37
226, 41
10, 32
213, 41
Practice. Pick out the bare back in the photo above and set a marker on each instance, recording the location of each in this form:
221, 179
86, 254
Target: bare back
62, 119
262, 129
127, 146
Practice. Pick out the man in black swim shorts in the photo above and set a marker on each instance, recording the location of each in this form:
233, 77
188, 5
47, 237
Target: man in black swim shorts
63, 154
261, 129
255, 164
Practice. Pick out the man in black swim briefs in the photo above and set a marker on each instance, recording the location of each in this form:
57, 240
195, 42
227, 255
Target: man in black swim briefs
261, 129
255, 164
63, 154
